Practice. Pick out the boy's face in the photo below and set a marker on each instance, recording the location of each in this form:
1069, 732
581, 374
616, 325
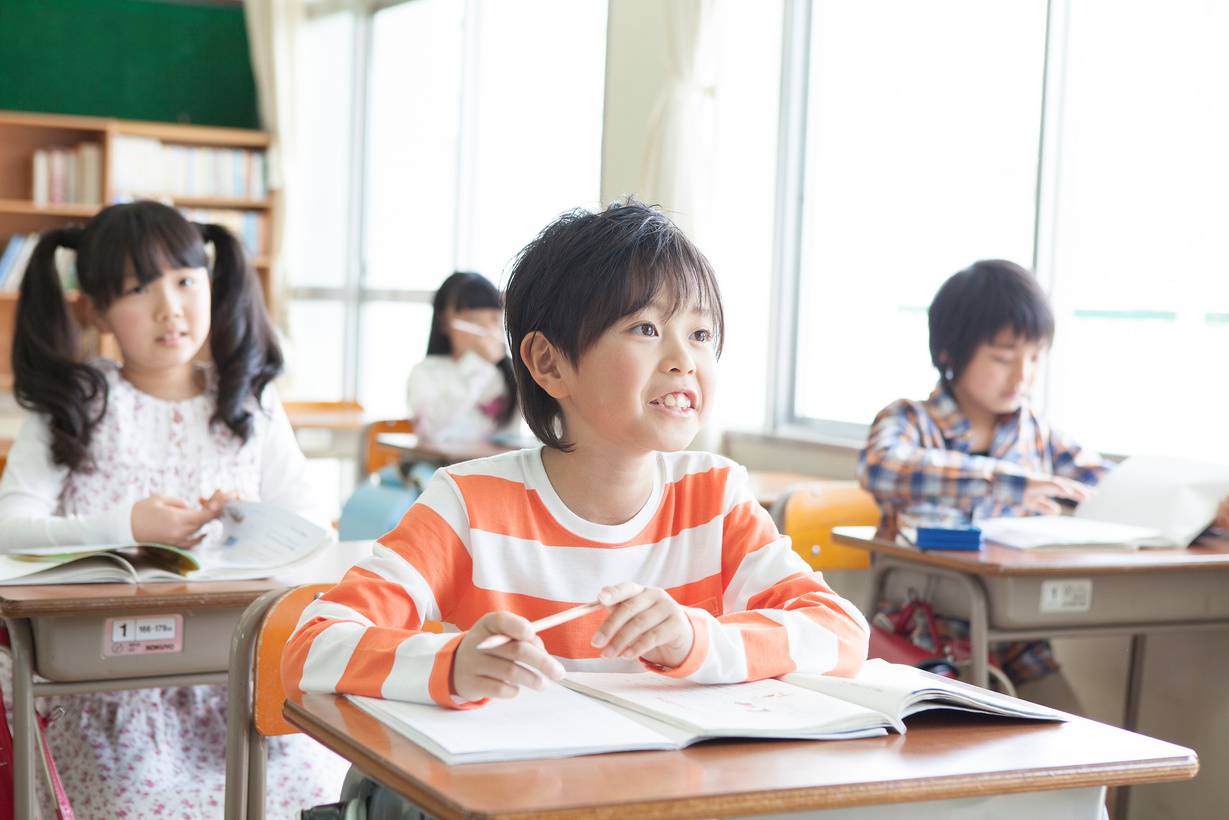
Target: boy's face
1000, 375
647, 384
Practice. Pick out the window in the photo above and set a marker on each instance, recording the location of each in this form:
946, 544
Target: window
473, 124
431, 136
933, 135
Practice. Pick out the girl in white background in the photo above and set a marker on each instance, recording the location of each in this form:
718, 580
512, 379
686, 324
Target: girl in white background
464, 389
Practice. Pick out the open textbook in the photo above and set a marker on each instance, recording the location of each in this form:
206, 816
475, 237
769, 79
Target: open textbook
256, 540
595, 712
1146, 501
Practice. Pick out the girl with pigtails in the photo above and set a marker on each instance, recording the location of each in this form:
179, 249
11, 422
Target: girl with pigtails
149, 451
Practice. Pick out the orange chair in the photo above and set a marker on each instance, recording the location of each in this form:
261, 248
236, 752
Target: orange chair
254, 700
377, 456
255, 694
808, 513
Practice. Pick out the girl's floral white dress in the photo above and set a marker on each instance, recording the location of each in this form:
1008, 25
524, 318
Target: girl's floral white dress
154, 753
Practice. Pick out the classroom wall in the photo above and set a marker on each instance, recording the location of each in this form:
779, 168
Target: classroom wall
131, 59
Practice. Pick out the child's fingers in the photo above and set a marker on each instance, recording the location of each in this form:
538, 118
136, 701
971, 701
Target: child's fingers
611, 595
628, 620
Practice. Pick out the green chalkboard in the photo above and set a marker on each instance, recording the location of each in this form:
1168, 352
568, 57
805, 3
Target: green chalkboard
132, 59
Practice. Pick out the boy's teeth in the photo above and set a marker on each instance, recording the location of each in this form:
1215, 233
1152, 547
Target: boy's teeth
679, 400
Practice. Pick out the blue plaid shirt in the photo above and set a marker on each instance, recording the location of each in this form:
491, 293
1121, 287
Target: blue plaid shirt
921, 453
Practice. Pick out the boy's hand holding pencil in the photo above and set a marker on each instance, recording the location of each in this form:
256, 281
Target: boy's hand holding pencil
503, 652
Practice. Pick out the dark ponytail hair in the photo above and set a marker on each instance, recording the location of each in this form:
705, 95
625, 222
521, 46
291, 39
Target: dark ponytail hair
470, 291
47, 374
139, 238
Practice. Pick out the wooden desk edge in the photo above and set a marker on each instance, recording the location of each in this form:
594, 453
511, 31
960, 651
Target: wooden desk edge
126, 597
1049, 562
1180, 767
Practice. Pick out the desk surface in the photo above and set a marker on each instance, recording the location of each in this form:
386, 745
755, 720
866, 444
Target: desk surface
996, 560
415, 447
942, 756
50, 600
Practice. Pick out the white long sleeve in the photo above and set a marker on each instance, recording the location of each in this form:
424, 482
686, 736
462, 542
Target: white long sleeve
30, 492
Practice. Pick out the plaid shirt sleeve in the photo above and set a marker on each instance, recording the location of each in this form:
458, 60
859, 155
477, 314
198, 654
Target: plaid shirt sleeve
1073, 461
906, 461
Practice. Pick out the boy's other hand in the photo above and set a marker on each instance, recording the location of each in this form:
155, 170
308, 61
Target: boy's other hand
165, 519
501, 671
1041, 490
1222, 514
643, 623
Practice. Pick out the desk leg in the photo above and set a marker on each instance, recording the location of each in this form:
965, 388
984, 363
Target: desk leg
1130, 716
25, 747
979, 619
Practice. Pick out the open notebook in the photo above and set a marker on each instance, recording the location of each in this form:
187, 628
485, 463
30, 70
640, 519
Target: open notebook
594, 712
257, 540
1146, 501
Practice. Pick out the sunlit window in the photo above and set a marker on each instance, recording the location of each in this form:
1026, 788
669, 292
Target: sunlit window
942, 133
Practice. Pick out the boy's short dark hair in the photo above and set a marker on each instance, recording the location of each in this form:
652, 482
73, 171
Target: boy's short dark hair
584, 272
972, 306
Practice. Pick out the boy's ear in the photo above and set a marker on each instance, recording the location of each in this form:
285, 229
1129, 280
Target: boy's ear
543, 361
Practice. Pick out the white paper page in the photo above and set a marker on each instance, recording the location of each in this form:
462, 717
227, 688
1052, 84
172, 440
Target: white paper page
765, 708
554, 723
897, 689
1035, 531
1174, 495
259, 536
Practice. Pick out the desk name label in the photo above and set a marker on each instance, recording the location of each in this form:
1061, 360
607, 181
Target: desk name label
151, 635
1066, 595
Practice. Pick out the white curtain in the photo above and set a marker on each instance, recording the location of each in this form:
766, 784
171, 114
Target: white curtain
272, 28
676, 168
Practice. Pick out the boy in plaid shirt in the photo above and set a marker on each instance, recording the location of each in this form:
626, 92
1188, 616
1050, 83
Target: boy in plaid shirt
975, 445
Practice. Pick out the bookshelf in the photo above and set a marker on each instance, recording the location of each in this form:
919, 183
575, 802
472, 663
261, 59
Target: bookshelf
206, 167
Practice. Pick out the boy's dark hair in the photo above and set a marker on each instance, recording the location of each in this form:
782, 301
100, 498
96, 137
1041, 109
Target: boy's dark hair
584, 272
140, 238
469, 291
972, 306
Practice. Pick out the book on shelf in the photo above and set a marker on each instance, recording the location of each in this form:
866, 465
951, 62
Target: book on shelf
1144, 502
144, 166
254, 540
11, 251
14, 275
595, 712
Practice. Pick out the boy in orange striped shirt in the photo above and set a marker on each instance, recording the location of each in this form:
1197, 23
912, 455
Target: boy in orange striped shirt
615, 322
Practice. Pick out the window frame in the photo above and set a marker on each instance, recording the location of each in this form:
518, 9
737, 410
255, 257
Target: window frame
781, 414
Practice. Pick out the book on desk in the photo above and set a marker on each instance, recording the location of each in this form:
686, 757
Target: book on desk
595, 713
1145, 502
256, 540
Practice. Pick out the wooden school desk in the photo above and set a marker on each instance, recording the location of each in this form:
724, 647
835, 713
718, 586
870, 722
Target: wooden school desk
1010, 594
415, 448
945, 762
64, 633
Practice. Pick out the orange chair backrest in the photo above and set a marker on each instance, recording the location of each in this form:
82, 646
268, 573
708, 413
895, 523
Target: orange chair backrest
275, 630
377, 456
811, 512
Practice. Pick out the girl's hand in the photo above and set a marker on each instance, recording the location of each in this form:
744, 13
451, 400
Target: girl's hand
165, 519
1041, 490
643, 623
501, 671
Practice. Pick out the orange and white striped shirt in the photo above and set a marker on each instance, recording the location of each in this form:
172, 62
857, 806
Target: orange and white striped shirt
492, 535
